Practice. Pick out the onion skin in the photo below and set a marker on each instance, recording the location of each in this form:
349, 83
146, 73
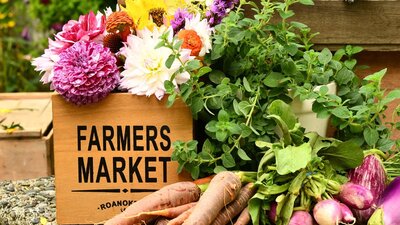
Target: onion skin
356, 196
327, 212
301, 218
370, 174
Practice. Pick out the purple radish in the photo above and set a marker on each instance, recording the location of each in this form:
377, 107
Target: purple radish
356, 196
347, 214
301, 218
327, 212
272, 212
371, 175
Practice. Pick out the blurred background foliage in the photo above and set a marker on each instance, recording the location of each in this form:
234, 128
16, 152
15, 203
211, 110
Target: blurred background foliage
25, 26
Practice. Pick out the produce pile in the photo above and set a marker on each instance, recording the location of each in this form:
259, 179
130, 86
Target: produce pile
300, 179
238, 65
265, 167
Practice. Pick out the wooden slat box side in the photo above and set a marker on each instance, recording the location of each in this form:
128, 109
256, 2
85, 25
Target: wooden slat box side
372, 24
114, 152
26, 153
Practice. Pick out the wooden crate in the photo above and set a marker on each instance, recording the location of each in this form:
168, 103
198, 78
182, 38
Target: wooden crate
26, 153
114, 152
372, 24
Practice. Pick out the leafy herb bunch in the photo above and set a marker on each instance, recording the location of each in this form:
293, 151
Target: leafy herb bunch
254, 61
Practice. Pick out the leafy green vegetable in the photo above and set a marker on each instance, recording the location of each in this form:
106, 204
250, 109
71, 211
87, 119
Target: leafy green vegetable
346, 155
292, 158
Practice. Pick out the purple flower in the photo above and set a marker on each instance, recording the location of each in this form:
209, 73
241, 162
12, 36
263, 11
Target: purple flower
86, 73
178, 22
218, 10
25, 34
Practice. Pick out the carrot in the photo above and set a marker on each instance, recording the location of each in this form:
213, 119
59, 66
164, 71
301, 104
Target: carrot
234, 208
244, 217
222, 190
168, 212
161, 221
169, 196
204, 180
181, 218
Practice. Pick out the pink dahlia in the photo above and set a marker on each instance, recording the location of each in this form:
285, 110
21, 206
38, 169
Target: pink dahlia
85, 73
90, 27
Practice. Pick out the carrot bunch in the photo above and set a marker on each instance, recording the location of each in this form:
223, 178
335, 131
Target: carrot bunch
224, 201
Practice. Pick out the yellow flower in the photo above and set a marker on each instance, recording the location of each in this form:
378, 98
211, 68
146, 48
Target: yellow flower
3, 1
147, 13
11, 24
2, 16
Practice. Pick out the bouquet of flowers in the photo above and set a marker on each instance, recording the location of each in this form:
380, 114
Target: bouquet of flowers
135, 48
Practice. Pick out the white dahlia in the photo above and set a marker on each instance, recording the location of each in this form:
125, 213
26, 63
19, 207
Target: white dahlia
144, 70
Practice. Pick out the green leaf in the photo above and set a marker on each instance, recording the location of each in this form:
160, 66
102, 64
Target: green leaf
243, 155
160, 44
227, 160
344, 76
391, 96
341, 112
376, 77
325, 56
244, 107
236, 107
350, 64
169, 61
171, 99
169, 86
218, 169
197, 105
307, 2
234, 128
286, 163
178, 44
273, 79
347, 155
211, 126
287, 14
246, 85
193, 65
283, 110
223, 116
371, 136
203, 71
221, 135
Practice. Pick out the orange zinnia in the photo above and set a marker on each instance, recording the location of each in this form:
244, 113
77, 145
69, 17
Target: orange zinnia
191, 40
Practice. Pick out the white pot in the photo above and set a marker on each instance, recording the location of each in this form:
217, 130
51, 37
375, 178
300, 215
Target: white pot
307, 118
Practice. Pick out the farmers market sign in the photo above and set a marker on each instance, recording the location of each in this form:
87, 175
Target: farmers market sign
110, 154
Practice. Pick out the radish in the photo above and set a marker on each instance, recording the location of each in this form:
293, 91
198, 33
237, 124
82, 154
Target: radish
356, 196
301, 218
327, 212
347, 214
371, 175
272, 212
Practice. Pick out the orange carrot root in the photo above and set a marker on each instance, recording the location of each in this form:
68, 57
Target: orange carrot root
234, 208
222, 190
167, 197
204, 180
168, 212
244, 217
181, 218
161, 221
